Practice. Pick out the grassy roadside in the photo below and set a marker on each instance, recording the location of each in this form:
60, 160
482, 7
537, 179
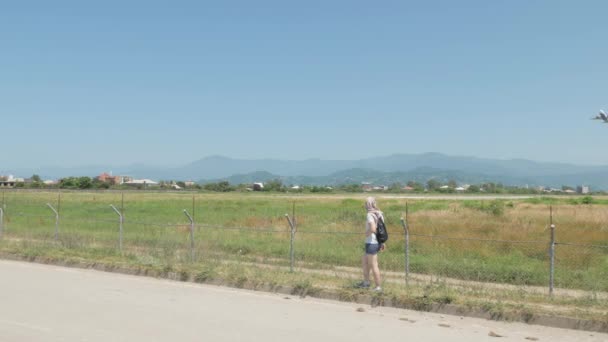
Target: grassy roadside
505, 304
467, 239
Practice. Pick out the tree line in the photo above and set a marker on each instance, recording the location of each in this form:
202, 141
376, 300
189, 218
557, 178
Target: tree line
276, 185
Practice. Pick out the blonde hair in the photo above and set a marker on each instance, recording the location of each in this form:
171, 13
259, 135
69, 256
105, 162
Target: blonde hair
371, 205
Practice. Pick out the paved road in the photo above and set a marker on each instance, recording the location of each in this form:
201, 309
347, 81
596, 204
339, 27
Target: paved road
48, 303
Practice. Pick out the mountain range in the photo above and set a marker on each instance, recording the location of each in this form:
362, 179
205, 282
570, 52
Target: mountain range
377, 170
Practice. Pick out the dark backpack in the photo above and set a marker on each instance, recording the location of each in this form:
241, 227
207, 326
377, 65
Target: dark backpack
381, 232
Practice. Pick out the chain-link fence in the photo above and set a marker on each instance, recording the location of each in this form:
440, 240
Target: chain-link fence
456, 244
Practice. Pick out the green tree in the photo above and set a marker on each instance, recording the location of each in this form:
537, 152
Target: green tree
417, 186
84, 182
67, 183
351, 188
97, 184
274, 185
222, 186
474, 188
395, 187
36, 182
433, 184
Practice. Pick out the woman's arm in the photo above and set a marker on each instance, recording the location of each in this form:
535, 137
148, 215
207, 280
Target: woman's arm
372, 226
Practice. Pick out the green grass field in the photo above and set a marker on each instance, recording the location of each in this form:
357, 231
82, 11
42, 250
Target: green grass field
498, 241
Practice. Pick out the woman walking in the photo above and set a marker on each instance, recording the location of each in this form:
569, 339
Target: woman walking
372, 247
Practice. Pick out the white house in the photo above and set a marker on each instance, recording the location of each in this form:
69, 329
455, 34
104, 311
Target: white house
582, 189
10, 181
141, 181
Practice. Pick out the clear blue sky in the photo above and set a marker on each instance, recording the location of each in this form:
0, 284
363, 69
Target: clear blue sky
166, 83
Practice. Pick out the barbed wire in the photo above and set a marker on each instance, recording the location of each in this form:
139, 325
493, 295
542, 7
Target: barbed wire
286, 230
580, 245
31, 216
441, 237
67, 219
71, 220
329, 232
254, 230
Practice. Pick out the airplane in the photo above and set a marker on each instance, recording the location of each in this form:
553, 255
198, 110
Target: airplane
601, 116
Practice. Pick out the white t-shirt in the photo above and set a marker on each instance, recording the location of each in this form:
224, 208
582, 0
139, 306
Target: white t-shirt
371, 220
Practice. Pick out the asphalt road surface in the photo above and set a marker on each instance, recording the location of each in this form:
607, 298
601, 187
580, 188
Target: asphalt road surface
49, 303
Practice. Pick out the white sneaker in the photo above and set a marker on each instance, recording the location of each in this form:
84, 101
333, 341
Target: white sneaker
378, 289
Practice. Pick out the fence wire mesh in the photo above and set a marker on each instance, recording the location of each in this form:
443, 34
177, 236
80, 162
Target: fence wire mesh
470, 243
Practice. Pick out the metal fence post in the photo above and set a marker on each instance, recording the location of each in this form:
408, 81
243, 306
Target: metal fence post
406, 231
552, 254
120, 229
56, 221
191, 235
291, 239
1, 222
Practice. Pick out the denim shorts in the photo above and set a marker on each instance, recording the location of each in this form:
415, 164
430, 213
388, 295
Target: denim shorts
372, 248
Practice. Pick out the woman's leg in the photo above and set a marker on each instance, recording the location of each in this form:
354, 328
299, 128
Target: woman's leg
365, 268
372, 262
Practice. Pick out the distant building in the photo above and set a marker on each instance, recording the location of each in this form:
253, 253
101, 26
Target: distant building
10, 181
460, 189
7, 184
122, 179
189, 183
365, 186
582, 189
407, 188
258, 186
144, 182
114, 180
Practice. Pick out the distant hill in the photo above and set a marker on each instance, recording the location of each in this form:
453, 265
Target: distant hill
358, 176
402, 168
382, 169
